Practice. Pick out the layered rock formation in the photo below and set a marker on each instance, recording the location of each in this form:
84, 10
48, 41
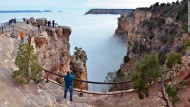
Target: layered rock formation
78, 64
155, 30
53, 49
110, 11
128, 23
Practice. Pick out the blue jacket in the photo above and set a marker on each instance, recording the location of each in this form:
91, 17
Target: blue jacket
69, 80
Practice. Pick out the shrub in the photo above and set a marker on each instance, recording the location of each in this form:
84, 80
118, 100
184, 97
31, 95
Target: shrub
159, 21
172, 59
184, 83
145, 71
151, 35
147, 23
172, 93
29, 68
171, 39
116, 76
186, 45
126, 59
164, 39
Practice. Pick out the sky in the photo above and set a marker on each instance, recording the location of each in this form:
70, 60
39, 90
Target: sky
75, 4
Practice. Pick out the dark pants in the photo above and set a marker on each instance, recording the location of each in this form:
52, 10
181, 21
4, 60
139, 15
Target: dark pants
71, 93
22, 40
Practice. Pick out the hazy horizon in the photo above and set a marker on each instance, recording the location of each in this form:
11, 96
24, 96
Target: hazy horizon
60, 5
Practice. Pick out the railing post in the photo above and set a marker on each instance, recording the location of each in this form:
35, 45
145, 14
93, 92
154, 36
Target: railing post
122, 89
81, 94
47, 77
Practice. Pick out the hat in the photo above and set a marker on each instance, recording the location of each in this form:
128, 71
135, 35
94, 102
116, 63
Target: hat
69, 72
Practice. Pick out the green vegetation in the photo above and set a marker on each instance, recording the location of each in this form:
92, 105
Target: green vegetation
147, 23
168, 38
186, 45
173, 58
159, 21
126, 58
29, 68
80, 54
151, 35
116, 76
184, 83
164, 39
172, 93
182, 15
145, 71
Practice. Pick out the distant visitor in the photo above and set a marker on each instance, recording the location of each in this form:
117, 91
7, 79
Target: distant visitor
49, 23
39, 30
21, 37
53, 23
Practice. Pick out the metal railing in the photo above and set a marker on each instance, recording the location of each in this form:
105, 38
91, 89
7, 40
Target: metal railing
10, 27
122, 91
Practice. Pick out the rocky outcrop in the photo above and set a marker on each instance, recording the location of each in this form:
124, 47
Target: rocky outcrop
110, 11
78, 64
53, 49
128, 23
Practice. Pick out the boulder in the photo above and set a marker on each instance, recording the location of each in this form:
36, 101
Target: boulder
41, 21
31, 20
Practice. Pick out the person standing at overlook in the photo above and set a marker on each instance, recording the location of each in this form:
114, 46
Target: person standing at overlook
53, 23
39, 30
21, 37
69, 84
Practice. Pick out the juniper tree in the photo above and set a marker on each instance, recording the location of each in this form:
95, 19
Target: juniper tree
27, 62
147, 71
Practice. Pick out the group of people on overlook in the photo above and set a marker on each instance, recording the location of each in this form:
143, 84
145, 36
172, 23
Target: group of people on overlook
40, 28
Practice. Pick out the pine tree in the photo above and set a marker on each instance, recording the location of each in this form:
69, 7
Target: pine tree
27, 62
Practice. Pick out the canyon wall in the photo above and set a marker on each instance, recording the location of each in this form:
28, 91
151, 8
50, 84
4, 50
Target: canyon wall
155, 30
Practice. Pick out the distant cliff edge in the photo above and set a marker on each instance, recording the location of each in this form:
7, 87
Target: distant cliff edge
109, 11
